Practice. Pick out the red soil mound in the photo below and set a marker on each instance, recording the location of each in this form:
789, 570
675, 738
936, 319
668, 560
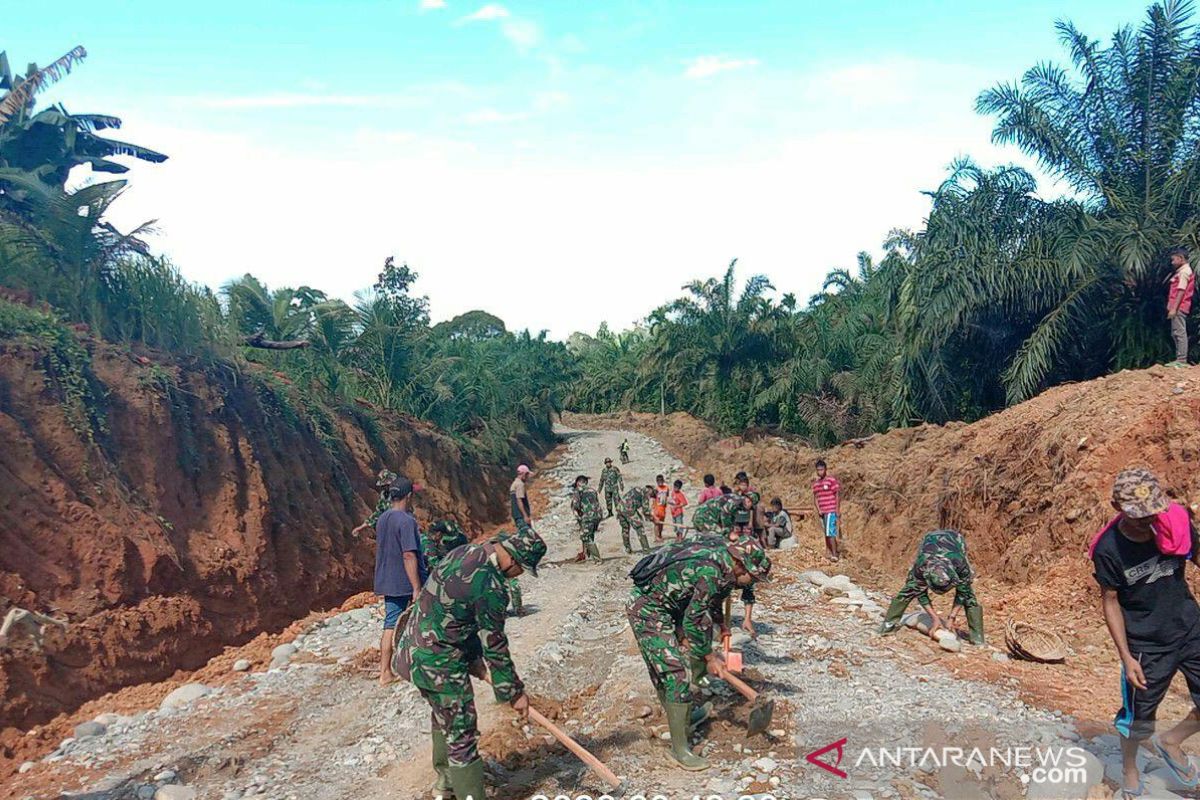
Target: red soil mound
211, 507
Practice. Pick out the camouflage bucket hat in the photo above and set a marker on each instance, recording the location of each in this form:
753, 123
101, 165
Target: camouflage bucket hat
1138, 494
751, 555
526, 546
385, 478
939, 574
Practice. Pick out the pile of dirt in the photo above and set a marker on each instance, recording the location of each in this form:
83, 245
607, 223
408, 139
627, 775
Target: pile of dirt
196, 508
1028, 486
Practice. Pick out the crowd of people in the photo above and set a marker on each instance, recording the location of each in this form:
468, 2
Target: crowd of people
446, 600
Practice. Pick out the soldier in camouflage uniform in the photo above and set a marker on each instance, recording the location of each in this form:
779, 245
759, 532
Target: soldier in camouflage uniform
632, 511
440, 649
383, 482
586, 505
681, 599
442, 537
715, 515
514, 585
612, 484
941, 565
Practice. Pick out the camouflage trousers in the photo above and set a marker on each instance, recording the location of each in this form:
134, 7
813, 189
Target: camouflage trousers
611, 498
514, 592
635, 524
659, 640
587, 531
453, 713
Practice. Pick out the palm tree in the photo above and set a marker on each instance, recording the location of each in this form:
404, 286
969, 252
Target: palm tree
1122, 133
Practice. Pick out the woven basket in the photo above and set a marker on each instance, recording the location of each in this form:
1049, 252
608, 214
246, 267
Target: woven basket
1031, 643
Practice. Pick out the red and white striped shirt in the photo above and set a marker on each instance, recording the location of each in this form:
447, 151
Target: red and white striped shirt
826, 492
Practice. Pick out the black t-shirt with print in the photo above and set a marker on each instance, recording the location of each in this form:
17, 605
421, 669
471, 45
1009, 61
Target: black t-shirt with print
1159, 610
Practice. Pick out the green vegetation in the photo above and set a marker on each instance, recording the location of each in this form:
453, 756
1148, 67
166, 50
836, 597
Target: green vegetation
1002, 294
492, 389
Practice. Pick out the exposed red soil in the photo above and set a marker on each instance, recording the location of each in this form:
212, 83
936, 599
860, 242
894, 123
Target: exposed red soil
1028, 486
199, 519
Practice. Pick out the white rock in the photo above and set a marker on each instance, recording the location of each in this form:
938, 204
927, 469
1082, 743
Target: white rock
282, 655
108, 718
766, 764
948, 641
789, 543
175, 792
815, 577
241, 665
166, 776
25, 767
86, 730
188, 693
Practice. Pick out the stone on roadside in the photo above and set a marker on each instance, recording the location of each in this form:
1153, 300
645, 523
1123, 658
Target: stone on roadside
815, 577
25, 767
147, 791
188, 693
86, 730
789, 543
108, 719
175, 792
766, 764
166, 776
241, 665
282, 654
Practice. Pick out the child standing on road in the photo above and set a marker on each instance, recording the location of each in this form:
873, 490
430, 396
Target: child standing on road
662, 496
678, 501
709, 491
827, 499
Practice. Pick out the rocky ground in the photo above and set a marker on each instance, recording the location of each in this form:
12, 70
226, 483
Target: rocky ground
314, 723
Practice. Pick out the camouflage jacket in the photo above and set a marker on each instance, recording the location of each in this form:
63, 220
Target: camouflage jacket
383, 505
941, 559
611, 480
715, 515
442, 537
692, 588
586, 505
634, 503
464, 600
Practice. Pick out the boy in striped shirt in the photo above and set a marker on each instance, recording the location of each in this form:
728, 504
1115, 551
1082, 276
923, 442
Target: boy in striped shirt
826, 491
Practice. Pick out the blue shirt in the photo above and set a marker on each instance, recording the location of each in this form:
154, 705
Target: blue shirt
396, 533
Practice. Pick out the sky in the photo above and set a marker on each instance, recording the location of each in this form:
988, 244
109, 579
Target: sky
559, 163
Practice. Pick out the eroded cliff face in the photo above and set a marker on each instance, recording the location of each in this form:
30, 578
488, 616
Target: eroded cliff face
184, 507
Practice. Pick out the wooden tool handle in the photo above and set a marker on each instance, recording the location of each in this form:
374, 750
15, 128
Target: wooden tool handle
738, 684
580, 752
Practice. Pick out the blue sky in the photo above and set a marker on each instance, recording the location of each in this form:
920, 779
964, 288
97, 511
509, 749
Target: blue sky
557, 163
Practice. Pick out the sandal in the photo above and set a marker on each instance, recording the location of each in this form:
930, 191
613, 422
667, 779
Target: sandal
1131, 794
1188, 777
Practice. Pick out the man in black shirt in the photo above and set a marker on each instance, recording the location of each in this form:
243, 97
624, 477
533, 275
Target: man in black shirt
1154, 622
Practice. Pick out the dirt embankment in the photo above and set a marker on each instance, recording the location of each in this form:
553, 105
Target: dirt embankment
1029, 486
208, 506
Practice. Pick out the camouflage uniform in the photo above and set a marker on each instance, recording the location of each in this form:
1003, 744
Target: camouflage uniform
633, 509
466, 596
941, 564
612, 484
682, 601
714, 516
586, 505
514, 585
383, 483
442, 537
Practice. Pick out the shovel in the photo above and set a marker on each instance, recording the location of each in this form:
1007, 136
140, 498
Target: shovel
762, 708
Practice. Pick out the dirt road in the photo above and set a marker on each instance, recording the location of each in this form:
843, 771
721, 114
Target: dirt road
318, 726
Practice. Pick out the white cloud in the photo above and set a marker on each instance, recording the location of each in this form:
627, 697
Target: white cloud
491, 11
545, 101
428, 5
707, 66
490, 116
285, 100
523, 33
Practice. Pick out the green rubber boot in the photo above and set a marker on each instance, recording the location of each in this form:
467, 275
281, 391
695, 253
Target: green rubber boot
644, 542
677, 721
441, 765
975, 623
593, 552
467, 781
699, 715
